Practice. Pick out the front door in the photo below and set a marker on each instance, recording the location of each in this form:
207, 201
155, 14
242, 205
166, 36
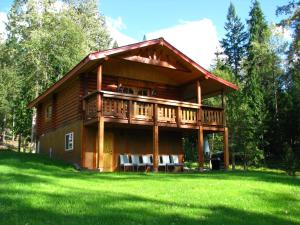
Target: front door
108, 151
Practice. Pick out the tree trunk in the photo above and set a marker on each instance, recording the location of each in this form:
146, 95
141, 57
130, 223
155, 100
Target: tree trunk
33, 129
19, 143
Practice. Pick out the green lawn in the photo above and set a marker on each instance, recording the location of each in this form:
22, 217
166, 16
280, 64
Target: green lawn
35, 190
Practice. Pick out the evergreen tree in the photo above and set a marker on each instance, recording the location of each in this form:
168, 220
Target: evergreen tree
290, 95
234, 41
144, 37
253, 91
115, 44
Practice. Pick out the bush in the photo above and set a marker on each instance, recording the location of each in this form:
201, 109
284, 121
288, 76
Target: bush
290, 161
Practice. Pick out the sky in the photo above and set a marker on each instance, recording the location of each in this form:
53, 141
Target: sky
193, 26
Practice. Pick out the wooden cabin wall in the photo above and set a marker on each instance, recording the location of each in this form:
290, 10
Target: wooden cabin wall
139, 141
55, 140
66, 107
163, 90
189, 92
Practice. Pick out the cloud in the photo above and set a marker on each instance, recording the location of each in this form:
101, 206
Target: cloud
282, 32
3, 20
115, 26
197, 39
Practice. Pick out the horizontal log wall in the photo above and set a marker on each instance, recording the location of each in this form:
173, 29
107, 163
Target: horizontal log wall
66, 107
163, 91
55, 140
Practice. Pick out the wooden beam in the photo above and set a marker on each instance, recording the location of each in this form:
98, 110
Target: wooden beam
200, 148
83, 144
199, 99
178, 116
155, 113
100, 143
225, 146
99, 87
155, 148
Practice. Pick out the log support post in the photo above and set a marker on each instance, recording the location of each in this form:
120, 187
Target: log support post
199, 100
100, 136
200, 148
225, 146
100, 144
83, 144
155, 140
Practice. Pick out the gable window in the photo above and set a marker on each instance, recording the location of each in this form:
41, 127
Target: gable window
48, 112
69, 141
142, 91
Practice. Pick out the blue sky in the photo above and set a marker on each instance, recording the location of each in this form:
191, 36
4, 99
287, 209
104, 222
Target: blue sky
193, 26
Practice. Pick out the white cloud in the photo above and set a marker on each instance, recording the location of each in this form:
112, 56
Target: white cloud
282, 32
115, 26
3, 20
197, 39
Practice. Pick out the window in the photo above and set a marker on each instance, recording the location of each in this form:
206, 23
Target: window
49, 112
142, 91
69, 141
128, 90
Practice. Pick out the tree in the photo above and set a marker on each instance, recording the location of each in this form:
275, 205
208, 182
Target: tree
45, 42
234, 41
115, 44
290, 94
253, 91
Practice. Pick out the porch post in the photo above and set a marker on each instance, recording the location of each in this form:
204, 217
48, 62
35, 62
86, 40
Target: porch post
100, 144
100, 136
225, 146
200, 148
155, 140
200, 129
83, 144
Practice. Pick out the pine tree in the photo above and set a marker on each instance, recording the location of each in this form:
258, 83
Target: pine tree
115, 44
234, 41
253, 91
290, 96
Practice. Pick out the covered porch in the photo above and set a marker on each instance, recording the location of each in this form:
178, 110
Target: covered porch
140, 140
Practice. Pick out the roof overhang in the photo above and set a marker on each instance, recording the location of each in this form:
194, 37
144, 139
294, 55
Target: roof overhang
97, 57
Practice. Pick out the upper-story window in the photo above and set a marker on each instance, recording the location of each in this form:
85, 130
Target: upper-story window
133, 90
143, 91
48, 112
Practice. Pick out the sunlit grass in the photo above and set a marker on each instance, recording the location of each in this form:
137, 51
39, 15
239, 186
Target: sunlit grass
36, 190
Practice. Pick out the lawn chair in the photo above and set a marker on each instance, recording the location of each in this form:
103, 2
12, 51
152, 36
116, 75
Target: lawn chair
147, 161
165, 161
136, 162
175, 161
124, 161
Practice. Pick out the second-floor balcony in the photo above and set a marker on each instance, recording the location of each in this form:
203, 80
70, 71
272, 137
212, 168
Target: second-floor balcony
127, 108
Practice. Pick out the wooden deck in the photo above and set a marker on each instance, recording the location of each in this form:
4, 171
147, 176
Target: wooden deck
132, 109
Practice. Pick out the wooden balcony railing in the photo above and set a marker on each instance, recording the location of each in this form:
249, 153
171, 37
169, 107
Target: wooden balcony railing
119, 107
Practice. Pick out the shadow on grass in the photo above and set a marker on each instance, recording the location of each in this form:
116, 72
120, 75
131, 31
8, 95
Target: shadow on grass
78, 207
54, 168
23, 202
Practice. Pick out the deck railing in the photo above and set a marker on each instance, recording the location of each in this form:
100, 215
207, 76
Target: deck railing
119, 107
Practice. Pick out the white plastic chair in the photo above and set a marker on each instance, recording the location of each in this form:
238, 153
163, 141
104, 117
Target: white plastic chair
136, 162
165, 161
147, 160
175, 161
124, 161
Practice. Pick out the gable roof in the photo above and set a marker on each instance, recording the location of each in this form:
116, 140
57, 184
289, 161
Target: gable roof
102, 55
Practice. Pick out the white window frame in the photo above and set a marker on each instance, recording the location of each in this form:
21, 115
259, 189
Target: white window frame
71, 147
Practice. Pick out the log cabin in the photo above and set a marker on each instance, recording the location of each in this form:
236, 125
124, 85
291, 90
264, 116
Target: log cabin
136, 99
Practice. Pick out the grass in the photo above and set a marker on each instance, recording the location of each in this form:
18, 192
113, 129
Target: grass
36, 190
